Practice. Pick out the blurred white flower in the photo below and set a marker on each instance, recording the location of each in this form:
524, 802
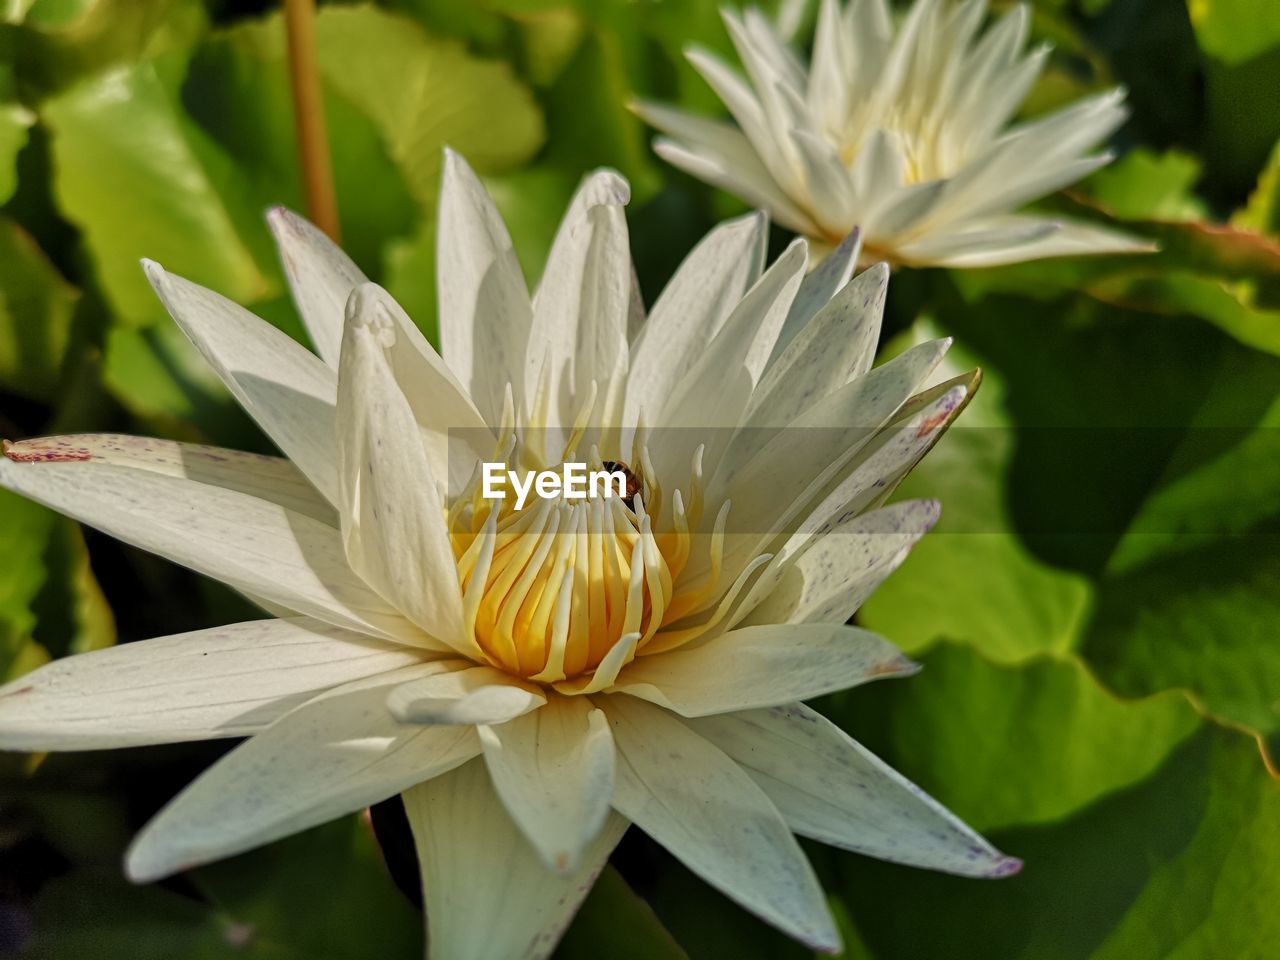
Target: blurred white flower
532, 681
903, 132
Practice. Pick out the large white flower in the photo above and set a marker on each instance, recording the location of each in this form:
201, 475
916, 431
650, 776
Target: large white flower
903, 132
532, 681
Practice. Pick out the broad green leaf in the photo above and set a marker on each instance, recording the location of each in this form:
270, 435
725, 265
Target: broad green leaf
1008, 746
132, 174
1262, 214
158, 376
36, 309
1235, 30
1190, 594
24, 535
15, 120
323, 893
423, 93
971, 579
50, 603
1142, 184
62, 42
92, 914
1180, 866
613, 922
237, 90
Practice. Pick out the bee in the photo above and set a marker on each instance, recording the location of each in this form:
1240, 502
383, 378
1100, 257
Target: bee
634, 484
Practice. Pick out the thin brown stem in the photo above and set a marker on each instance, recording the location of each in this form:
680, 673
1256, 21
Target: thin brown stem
308, 110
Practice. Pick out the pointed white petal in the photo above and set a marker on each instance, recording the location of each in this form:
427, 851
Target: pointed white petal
287, 389
832, 579
468, 695
831, 788
1068, 239
338, 753
485, 310
453, 432
553, 770
691, 310
977, 239
819, 286
227, 681
580, 311
487, 892
733, 165
762, 666
768, 139
393, 516
270, 478
321, 278
718, 386
770, 486
250, 544
695, 801
836, 346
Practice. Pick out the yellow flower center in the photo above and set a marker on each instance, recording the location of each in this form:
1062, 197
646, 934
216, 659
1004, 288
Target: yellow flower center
551, 588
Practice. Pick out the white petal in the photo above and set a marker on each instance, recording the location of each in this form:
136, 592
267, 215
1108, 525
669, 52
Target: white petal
284, 387
250, 544
977, 239
227, 681
488, 895
770, 488
831, 788
691, 310
1068, 239
335, 754
832, 579
769, 140
695, 801
453, 431
723, 157
485, 310
718, 386
819, 286
270, 478
836, 346
580, 311
762, 666
393, 516
468, 695
321, 278
553, 769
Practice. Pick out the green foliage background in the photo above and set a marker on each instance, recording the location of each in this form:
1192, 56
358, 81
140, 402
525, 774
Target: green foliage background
1099, 612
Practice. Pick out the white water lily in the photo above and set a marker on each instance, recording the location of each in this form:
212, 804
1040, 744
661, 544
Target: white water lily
903, 132
532, 682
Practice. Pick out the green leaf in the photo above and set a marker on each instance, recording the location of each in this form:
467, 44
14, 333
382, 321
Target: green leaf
972, 579
237, 90
132, 173
36, 309
1180, 866
613, 922
1235, 30
1146, 185
158, 376
50, 603
1189, 594
1006, 746
423, 93
1262, 214
15, 120
322, 893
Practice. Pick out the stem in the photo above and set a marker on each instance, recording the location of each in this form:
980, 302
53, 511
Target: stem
308, 109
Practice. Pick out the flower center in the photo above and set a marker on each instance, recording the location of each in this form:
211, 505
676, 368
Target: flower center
550, 589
